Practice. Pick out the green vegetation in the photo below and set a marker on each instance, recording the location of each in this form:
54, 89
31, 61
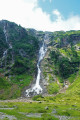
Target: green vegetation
63, 60
2, 42
50, 107
64, 64
53, 88
3, 82
37, 97
12, 88
19, 64
22, 110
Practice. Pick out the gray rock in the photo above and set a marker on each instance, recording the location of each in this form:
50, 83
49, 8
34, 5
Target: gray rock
54, 111
46, 108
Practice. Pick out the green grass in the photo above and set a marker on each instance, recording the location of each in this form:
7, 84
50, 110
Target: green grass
62, 106
22, 109
12, 89
72, 78
53, 88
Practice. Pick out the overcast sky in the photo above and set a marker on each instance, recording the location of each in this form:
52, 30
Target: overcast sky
46, 15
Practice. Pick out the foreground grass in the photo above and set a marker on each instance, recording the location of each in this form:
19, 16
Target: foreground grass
48, 107
21, 109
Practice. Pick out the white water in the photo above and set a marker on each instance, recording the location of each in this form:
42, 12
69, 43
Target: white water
10, 46
5, 34
5, 52
36, 89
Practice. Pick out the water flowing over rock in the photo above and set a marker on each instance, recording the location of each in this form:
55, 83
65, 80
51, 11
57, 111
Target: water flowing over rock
5, 32
37, 89
6, 37
6, 50
5, 53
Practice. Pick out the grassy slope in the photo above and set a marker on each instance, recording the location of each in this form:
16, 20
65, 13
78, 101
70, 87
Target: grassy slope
12, 89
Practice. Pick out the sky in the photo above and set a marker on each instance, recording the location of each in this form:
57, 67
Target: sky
45, 15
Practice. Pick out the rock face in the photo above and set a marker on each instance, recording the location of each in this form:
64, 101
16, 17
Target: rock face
74, 38
16, 43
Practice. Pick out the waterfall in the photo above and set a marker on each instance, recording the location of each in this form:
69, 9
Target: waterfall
6, 51
5, 33
36, 89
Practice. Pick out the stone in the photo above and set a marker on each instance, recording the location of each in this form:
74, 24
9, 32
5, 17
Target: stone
54, 111
46, 108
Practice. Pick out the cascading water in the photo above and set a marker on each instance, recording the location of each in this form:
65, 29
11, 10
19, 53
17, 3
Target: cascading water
36, 89
5, 33
5, 52
10, 46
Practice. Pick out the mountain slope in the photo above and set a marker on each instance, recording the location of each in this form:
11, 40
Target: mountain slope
61, 63
18, 57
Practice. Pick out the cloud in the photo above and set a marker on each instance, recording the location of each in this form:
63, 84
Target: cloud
28, 14
58, 14
72, 23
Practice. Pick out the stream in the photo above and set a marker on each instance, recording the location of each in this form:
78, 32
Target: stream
37, 89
